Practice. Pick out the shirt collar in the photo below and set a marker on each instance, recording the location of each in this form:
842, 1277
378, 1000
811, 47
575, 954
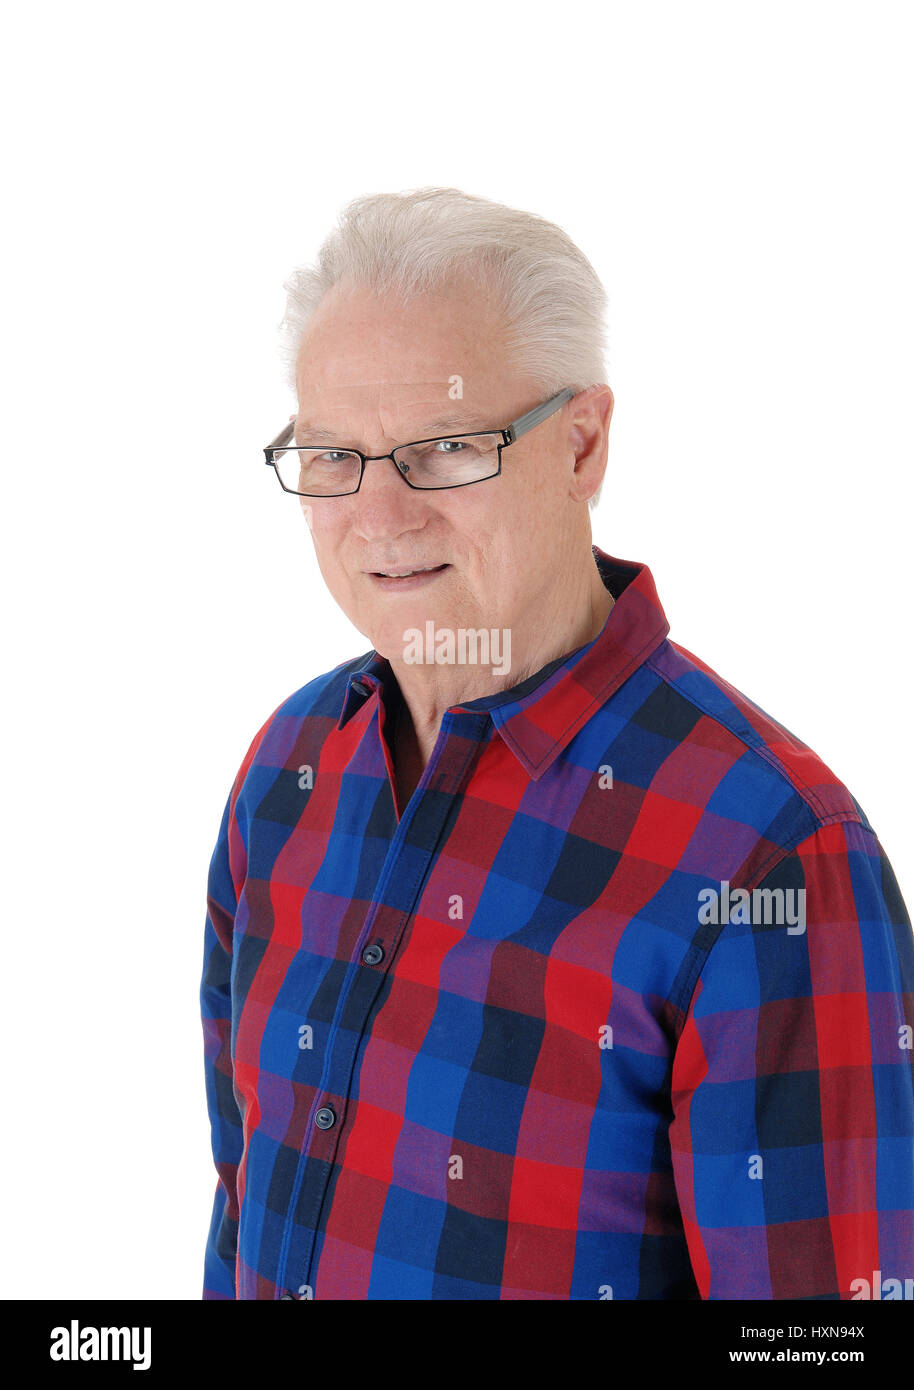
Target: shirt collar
539, 717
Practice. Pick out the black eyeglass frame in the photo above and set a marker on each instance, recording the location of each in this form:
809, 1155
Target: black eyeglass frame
522, 425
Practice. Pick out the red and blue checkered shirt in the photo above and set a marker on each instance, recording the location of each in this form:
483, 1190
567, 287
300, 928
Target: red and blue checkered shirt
519, 1043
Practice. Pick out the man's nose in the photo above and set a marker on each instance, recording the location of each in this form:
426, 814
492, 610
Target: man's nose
384, 506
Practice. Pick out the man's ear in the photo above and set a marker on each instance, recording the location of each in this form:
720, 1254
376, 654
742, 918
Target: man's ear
590, 436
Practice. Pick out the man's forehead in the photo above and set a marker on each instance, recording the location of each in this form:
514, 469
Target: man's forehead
435, 399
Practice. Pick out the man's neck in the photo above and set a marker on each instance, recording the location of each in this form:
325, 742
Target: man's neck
429, 690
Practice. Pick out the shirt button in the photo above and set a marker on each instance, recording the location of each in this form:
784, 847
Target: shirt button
361, 687
284, 1296
325, 1117
372, 954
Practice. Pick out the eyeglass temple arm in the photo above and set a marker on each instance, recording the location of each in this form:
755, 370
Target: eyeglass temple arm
538, 414
285, 434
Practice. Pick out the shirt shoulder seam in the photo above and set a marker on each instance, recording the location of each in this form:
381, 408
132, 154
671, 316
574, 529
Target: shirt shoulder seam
767, 755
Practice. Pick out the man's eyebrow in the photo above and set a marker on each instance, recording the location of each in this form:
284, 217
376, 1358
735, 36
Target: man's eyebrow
305, 428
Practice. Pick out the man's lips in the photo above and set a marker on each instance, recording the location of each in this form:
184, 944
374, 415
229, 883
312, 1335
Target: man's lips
400, 578
404, 571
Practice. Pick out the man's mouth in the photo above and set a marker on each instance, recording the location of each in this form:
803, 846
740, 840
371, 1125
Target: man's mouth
405, 573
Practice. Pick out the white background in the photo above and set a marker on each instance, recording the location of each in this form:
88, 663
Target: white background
738, 173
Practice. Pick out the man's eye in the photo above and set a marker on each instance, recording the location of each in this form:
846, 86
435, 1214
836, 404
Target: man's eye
452, 446
328, 455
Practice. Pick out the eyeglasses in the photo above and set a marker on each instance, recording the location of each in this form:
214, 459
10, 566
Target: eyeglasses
321, 471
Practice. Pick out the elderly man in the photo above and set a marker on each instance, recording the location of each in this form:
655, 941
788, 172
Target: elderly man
539, 962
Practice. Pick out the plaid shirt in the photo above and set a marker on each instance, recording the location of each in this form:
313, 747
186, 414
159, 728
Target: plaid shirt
541, 1038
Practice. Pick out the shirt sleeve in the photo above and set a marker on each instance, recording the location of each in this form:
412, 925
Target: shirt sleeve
792, 1137
224, 1116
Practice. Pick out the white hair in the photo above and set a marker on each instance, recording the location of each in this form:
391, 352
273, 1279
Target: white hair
551, 297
